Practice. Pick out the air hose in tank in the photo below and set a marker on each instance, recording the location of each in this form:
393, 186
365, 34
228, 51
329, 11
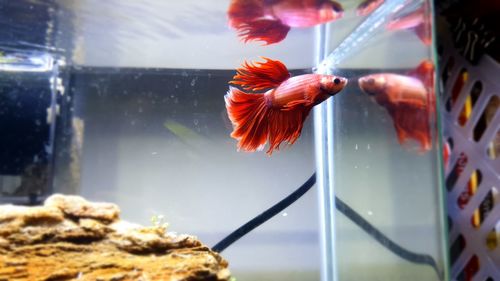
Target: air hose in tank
341, 207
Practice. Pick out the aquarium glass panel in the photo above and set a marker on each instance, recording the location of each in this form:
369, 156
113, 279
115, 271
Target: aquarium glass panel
378, 149
128, 101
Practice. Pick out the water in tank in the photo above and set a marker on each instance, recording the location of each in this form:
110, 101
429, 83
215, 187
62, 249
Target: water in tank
178, 109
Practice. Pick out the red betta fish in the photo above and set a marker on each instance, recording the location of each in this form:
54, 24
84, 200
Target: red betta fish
270, 20
419, 20
278, 114
408, 99
368, 6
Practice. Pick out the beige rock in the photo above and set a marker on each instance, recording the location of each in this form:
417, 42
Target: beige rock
71, 238
78, 207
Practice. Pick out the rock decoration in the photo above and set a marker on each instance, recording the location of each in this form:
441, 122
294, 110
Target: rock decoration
70, 238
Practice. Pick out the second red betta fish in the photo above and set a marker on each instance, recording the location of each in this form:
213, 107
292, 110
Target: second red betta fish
409, 99
270, 20
278, 114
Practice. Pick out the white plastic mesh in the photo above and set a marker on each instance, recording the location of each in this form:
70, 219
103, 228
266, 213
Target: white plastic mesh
474, 215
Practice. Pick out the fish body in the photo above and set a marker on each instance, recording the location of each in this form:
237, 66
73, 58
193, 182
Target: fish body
409, 99
270, 21
368, 6
278, 114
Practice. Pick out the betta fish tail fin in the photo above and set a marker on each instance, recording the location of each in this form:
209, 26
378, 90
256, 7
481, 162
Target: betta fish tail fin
256, 122
260, 76
425, 73
248, 18
265, 30
244, 11
248, 113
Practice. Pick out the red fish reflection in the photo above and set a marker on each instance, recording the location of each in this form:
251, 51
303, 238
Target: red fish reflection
419, 20
409, 99
270, 20
368, 6
277, 115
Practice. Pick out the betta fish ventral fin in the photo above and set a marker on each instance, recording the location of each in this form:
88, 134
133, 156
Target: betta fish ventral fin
293, 105
259, 76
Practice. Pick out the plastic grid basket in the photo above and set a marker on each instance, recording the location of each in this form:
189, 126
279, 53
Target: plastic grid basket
470, 101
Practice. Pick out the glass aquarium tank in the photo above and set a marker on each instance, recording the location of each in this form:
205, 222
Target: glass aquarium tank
127, 102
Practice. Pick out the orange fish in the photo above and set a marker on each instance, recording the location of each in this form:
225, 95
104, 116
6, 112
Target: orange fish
270, 20
368, 6
276, 115
409, 99
419, 20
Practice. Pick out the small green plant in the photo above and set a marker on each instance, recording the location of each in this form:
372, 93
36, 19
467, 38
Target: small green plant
159, 221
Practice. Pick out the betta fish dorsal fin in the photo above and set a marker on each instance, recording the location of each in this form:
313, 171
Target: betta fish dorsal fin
425, 73
259, 76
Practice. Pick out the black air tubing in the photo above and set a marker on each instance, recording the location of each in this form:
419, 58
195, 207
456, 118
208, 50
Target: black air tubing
341, 207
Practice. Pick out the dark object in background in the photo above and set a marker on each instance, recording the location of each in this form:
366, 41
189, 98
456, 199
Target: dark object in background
26, 138
27, 37
475, 29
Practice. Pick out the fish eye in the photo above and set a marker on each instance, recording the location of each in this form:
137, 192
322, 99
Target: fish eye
337, 7
336, 81
371, 81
